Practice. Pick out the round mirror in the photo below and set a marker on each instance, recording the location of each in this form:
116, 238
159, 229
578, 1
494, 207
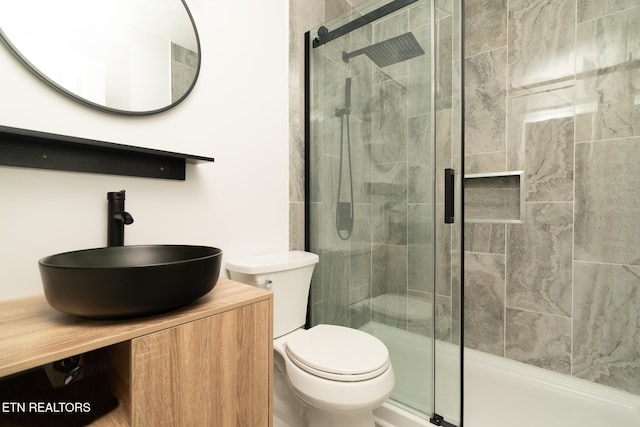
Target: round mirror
121, 56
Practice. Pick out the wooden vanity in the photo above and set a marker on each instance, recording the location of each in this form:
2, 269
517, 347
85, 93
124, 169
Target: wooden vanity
207, 364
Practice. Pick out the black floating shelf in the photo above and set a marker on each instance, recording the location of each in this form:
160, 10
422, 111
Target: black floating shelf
41, 150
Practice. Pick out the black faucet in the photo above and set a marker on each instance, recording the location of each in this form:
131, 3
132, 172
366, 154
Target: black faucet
117, 218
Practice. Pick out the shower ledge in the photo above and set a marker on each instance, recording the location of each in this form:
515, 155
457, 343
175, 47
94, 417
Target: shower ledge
389, 306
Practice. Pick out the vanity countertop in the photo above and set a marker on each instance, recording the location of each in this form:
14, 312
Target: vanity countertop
32, 333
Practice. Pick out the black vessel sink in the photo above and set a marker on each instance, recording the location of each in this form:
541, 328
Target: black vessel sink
128, 281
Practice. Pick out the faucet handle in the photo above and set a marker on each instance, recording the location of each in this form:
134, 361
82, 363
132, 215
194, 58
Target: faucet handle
116, 195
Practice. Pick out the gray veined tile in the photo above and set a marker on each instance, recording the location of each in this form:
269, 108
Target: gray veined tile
485, 162
335, 8
420, 247
360, 246
485, 102
359, 307
591, 9
456, 101
485, 25
608, 78
296, 153
443, 254
420, 185
389, 269
389, 203
500, 205
554, 102
607, 201
549, 160
443, 321
484, 238
541, 41
315, 225
545, 237
389, 223
444, 125
444, 8
296, 226
419, 76
419, 15
361, 84
420, 222
315, 169
484, 302
316, 279
444, 63
335, 287
420, 267
389, 122
360, 160
456, 296
299, 22
492, 204
359, 278
332, 97
316, 313
606, 327
539, 339
602, 43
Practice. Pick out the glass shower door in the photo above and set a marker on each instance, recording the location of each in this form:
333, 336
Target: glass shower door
381, 109
448, 313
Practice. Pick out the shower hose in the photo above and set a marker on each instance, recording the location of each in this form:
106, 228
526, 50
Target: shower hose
344, 223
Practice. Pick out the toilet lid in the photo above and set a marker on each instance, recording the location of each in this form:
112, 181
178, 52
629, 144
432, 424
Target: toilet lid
338, 353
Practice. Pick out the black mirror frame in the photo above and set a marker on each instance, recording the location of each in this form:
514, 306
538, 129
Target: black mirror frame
100, 107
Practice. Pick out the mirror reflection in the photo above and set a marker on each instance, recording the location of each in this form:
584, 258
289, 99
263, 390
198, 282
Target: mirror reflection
122, 56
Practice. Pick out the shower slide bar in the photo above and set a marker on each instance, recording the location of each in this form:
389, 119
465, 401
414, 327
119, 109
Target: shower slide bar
325, 36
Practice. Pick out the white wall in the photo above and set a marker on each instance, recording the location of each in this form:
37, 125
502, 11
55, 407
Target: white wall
237, 113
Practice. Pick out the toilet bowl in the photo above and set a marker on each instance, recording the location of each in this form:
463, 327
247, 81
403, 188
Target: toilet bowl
325, 376
337, 372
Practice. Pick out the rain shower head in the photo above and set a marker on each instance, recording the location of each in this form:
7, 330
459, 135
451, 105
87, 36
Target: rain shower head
389, 52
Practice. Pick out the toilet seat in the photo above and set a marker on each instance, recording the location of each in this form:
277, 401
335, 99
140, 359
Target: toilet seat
338, 353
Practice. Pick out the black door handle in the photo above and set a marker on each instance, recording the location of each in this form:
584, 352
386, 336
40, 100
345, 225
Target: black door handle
449, 195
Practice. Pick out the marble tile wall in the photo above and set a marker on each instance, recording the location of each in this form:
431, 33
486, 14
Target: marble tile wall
303, 15
552, 89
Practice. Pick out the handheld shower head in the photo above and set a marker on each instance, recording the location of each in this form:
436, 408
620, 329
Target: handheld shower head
390, 51
347, 93
347, 100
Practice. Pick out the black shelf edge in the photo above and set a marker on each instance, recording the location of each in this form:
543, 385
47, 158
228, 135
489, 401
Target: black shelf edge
41, 150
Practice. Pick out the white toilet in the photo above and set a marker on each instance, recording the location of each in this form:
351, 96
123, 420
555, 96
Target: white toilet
326, 376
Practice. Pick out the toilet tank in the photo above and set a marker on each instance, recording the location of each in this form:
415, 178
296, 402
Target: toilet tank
288, 275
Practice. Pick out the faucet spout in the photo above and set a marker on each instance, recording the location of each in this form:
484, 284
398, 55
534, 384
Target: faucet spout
117, 218
125, 217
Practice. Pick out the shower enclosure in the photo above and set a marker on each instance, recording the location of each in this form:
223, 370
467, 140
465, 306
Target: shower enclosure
384, 209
